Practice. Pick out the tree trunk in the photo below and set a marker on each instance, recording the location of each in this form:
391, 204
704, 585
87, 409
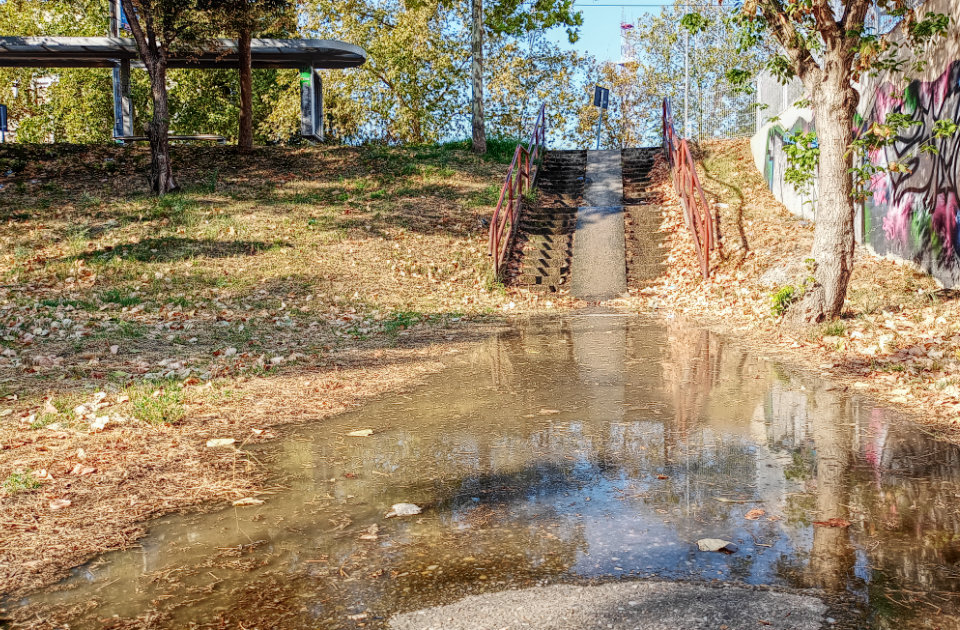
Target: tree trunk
476, 75
245, 137
161, 169
834, 104
153, 55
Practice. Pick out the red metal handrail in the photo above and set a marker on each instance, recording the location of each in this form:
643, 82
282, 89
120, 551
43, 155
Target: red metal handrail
696, 209
520, 179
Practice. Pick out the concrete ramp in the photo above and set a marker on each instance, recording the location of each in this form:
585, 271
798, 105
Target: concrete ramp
598, 270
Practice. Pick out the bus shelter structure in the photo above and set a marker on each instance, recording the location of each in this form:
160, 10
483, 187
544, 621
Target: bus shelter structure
307, 55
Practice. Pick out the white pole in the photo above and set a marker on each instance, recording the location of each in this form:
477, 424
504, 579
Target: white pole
757, 107
686, 83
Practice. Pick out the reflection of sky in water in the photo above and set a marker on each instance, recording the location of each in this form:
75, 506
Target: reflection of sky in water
581, 448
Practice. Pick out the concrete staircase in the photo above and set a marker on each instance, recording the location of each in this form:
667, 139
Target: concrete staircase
544, 245
616, 226
644, 256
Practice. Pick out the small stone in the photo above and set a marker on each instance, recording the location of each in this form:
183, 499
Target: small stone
404, 509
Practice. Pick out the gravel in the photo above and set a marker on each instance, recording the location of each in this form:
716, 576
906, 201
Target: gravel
623, 606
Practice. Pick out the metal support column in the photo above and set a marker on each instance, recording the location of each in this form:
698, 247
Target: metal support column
122, 103
311, 104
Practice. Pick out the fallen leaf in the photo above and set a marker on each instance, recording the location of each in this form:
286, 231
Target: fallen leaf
371, 533
361, 433
754, 514
832, 522
220, 442
59, 504
80, 470
662, 477
248, 501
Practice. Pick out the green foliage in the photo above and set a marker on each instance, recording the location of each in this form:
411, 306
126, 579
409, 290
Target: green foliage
803, 155
783, 298
694, 23
933, 25
19, 482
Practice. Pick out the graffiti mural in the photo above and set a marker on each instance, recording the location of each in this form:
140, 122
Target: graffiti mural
915, 215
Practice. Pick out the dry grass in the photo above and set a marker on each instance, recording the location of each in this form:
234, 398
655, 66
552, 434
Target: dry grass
899, 337
277, 287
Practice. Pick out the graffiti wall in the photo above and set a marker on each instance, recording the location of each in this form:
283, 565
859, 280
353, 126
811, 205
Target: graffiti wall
913, 214
771, 160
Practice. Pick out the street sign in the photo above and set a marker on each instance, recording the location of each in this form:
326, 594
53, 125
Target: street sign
601, 97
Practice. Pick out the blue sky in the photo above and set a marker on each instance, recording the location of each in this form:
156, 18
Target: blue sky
600, 34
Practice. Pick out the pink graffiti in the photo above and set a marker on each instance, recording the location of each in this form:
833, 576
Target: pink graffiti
887, 101
945, 218
881, 186
896, 225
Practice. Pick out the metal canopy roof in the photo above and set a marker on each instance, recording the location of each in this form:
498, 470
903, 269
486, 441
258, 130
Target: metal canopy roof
104, 52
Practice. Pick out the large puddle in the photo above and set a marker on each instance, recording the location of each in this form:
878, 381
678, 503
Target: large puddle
587, 448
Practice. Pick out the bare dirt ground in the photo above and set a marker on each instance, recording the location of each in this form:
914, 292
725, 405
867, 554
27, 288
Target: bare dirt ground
897, 341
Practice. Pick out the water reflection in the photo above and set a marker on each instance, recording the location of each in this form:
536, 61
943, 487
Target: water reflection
569, 449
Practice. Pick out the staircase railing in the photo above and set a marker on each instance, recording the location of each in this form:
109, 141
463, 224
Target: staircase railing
696, 209
520, 179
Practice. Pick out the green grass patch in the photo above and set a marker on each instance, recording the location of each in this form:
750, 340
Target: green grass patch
119, 297
20, 482
401, 320
834, 329
162, 404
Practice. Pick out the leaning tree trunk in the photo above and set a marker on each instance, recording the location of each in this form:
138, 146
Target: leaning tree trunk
161, 169
834, 104
245, 137
476, 76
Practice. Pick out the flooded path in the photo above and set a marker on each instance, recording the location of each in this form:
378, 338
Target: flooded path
590, 448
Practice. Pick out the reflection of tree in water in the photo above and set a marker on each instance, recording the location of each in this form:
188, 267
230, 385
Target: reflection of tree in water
832, 556
908, 489
899, 489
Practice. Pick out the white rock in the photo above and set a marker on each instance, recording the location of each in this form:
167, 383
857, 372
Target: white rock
403, 509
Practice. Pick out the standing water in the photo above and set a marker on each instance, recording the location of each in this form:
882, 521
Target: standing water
590, 448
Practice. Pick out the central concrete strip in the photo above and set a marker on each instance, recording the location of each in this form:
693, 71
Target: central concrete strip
623, 606
598, 270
